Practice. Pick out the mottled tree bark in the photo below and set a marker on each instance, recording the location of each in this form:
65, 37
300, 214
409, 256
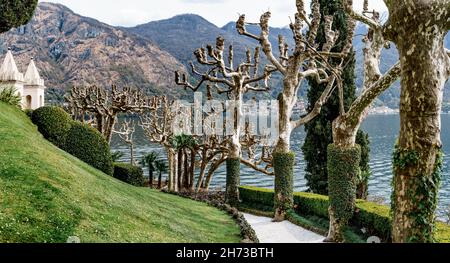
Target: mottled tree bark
418, 28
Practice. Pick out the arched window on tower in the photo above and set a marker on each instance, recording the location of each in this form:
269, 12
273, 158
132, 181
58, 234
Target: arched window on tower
28, 102
41, 102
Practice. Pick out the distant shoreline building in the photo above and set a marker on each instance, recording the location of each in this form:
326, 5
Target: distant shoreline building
30, 88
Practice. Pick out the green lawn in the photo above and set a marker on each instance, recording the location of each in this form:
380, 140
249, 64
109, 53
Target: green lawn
46, 195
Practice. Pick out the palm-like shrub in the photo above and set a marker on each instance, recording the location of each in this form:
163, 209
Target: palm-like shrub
161, 166
182, 143
9, 96
149, 160
116, 156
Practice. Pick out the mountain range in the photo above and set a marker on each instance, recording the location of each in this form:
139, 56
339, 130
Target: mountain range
70, 49
74, 50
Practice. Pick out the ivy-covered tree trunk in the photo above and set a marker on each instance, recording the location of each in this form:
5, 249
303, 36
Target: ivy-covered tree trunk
283, 158
343, 167
418, 28
233, 162
233, 181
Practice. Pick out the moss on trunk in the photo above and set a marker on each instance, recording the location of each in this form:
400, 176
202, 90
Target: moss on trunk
233, 181
283, 164
343, 169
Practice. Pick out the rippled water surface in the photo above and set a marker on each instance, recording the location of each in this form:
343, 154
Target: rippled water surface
383, 131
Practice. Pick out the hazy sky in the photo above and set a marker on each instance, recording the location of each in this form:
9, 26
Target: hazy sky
219, 12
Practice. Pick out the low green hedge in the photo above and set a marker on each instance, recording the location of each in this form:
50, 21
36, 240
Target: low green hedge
128, 173
373, 217
88, 145
53, 123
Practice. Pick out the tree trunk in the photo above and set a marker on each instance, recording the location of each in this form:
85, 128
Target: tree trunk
418, 29
202, 172
160, 180
180, 170
108, 130
343, 168
150, 175
192, 171
213, 168
233, 181
186, 170
175, 171
283, 158
131, 153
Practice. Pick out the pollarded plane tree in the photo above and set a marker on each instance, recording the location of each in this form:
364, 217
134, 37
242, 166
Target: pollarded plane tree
305, 61
418, 29
125, 131
234, 80
209, 152
104, 106
344, 150
157, 126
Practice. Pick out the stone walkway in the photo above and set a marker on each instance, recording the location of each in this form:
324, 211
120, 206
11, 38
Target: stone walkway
281, 232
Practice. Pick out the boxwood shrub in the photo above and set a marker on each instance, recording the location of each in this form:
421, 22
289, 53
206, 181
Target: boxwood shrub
53, 123
375, 218
128, 173
88, 145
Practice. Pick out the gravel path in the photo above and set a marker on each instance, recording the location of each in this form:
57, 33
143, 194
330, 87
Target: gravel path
281, 232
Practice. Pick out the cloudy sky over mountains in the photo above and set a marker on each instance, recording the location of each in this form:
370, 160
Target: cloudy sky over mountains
219, 12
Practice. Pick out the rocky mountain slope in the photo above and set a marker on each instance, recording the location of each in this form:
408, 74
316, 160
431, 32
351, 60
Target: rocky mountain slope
75, 50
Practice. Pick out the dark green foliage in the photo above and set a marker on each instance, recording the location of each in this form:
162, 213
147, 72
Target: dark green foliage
9, 96
29, 113
161, 166
90, 146
129, 174
233, 181
343, 169
14, 13
283, 164
319, 131
116, 156
149, 160
362, 183
53, 123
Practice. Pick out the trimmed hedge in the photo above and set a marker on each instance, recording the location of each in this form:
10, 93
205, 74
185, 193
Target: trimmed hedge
373, 217
53, 123
128, 173
88, 145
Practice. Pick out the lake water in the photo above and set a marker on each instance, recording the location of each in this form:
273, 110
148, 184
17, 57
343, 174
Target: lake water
383, 131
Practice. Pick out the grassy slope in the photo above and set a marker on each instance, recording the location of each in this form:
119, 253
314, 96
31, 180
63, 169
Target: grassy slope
47, 195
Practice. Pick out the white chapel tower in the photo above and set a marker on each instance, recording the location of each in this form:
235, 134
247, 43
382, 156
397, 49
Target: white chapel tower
34, 88
10, 75
30, 88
